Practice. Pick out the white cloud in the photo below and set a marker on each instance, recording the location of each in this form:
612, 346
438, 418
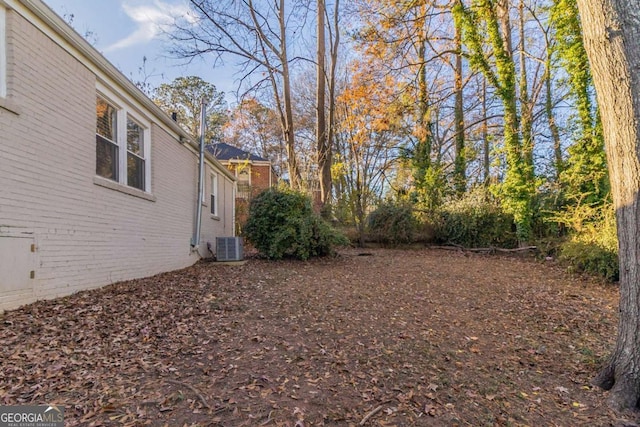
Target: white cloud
152, 20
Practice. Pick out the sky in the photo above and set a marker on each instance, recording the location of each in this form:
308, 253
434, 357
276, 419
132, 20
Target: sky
126, 31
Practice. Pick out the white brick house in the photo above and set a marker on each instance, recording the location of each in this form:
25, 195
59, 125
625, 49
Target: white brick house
97, 184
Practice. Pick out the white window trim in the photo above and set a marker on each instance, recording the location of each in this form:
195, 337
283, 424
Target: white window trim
213, 180
145, 146
206, 195
3, 51
122, 113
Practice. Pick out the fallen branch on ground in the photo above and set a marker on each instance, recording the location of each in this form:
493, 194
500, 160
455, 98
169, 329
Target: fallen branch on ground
485, 250
371, 414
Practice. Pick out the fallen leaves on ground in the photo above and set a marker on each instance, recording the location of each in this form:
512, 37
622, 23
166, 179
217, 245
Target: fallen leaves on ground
397, 338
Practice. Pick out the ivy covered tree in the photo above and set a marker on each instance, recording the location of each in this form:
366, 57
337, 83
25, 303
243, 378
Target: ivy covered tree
487, 34
584, 178
460, 161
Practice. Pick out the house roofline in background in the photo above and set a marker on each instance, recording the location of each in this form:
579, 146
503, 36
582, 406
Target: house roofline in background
253, 162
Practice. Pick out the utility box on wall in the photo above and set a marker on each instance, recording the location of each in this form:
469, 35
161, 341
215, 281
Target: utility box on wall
17, 269
229, 249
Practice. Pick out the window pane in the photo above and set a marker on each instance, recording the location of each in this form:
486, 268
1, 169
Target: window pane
214, 193
106, 120
135, 171
243, 175
106, 158
244, 190
135, 138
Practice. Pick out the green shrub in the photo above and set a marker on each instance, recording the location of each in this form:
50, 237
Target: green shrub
282, 224
476, 220
593, 247
547, 202
590, 258
392, 223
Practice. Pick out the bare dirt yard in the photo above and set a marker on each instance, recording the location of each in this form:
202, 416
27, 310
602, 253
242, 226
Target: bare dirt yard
370, 338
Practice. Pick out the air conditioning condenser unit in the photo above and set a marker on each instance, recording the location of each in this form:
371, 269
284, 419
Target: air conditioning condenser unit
229, 249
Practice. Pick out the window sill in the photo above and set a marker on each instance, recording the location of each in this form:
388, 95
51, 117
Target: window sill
10, 106
215, 217
112, 185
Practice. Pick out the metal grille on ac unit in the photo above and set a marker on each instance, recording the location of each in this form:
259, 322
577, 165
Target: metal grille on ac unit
229, 249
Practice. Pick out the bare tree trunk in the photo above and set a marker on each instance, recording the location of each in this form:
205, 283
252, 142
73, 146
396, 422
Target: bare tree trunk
551, 120
334, 38
486, 145
611, 31
558, 162
424, 116
323, 147
526, 109
289, 133
424, 146
460, 166
502, 10
255, 33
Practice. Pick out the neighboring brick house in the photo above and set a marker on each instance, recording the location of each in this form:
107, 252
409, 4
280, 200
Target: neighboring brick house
254, 174
97, 184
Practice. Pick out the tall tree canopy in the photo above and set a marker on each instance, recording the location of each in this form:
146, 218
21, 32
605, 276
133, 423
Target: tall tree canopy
259, 36
253, 126
183, 96
493, 93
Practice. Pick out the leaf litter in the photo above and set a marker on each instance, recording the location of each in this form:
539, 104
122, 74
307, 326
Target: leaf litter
399, 338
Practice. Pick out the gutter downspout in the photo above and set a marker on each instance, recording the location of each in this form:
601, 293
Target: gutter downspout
195, 241
234, 189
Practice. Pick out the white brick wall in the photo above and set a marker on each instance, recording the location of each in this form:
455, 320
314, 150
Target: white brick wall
86, 235
222, 225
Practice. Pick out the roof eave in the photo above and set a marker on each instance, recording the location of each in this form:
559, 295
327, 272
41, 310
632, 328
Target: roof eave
84, 48
49, 17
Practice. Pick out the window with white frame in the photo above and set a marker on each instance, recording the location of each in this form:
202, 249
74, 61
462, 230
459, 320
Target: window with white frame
3, 51
122, 145
135, 155
214, 194
106, 140
243, 173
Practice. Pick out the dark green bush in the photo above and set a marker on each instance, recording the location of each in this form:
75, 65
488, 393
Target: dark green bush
282, 224
590, 258
476, 220
392, 223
